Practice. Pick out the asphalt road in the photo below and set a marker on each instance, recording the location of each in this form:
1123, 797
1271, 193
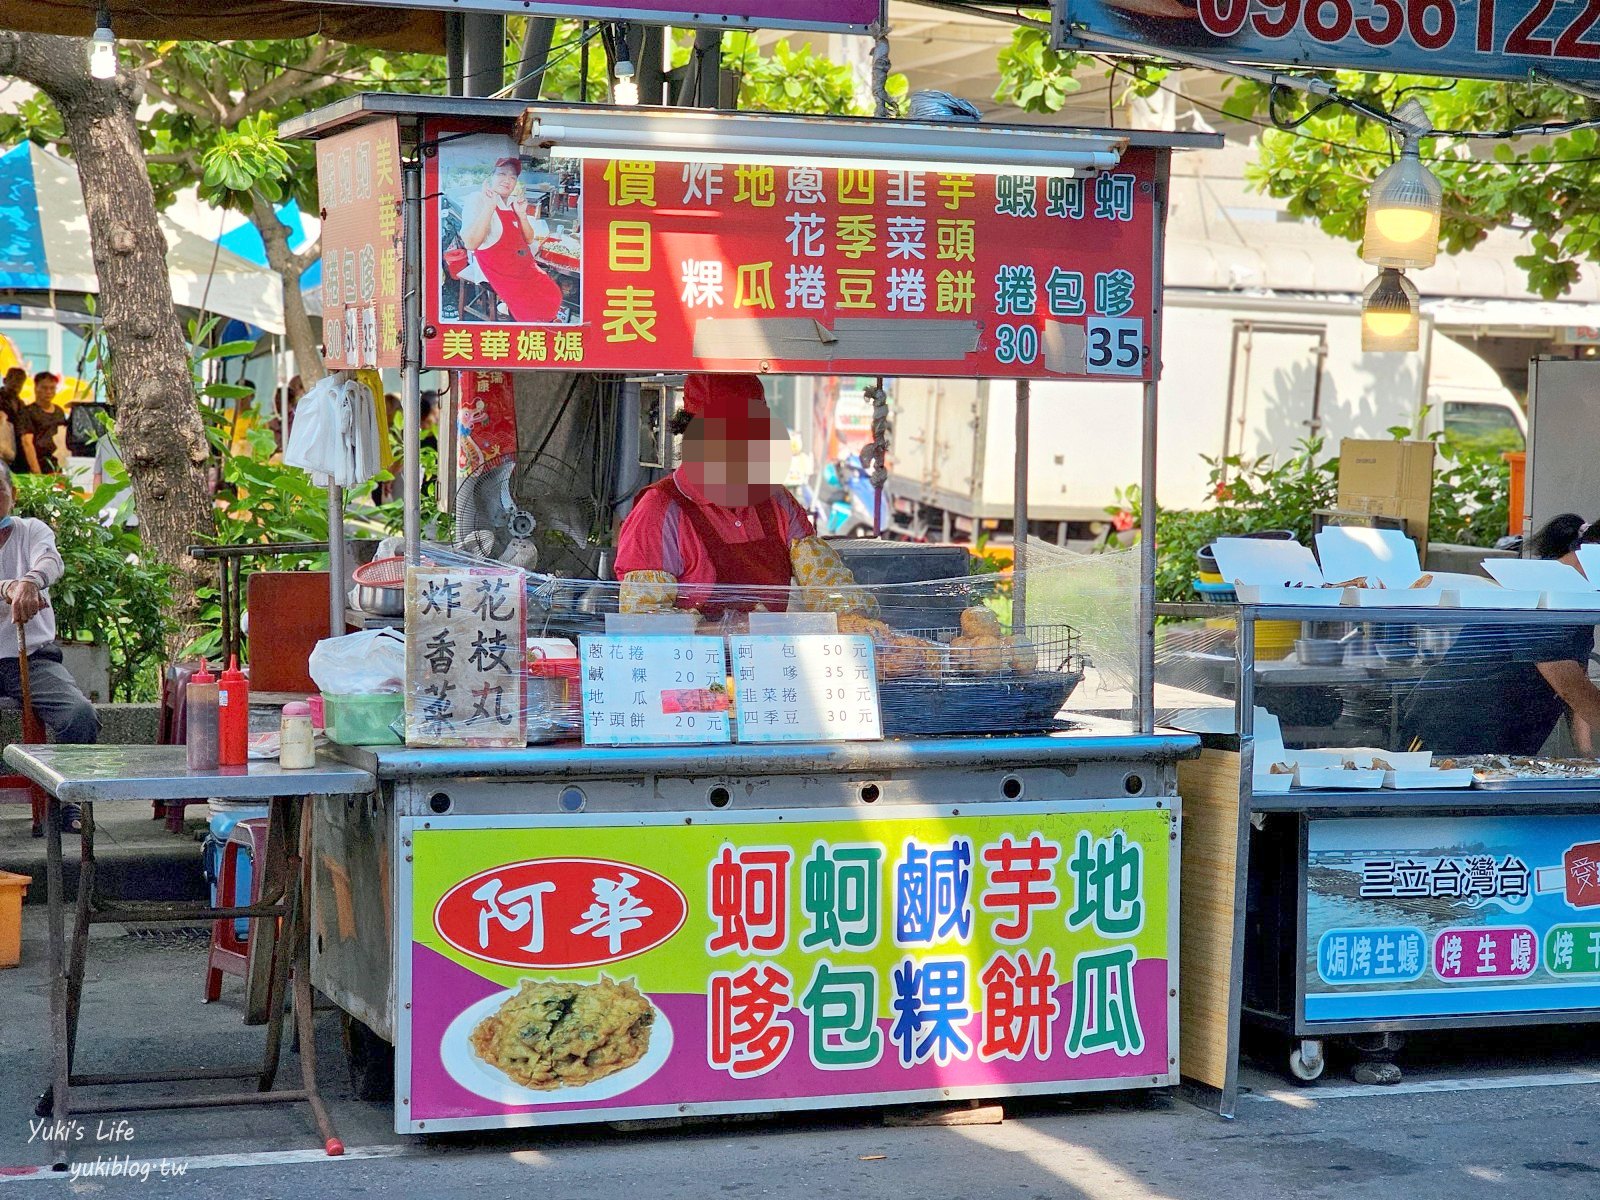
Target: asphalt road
1481, 1116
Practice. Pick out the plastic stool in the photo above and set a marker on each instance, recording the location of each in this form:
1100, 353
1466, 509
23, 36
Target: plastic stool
230, 948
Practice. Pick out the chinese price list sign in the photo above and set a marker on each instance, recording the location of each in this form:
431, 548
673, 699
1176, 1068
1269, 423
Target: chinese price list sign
653, 691
1450, 917
633, 264
808, 688
723, 965
358, 187
465, 645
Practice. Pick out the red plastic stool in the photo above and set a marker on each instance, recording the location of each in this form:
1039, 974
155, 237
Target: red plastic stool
230, 953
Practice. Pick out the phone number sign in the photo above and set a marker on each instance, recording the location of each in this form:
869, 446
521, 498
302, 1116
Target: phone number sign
1487, 39
630, 264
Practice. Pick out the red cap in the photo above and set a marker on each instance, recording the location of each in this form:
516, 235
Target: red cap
737, 399
203, 675
233, 674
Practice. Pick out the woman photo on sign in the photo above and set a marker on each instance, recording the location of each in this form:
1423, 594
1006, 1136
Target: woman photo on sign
502, 234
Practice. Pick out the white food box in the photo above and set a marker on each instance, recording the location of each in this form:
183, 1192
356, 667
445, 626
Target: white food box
1268, 750
1319, 597
1337, 777
1428, 777
1259, 561
1560, 586
1386, 555
1492, 597
1265, 783
1393, 597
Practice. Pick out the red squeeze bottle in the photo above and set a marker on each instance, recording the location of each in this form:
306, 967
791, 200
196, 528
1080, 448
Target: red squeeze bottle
233, 716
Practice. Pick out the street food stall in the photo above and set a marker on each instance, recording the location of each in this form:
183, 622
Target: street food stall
1400, 814
717, 882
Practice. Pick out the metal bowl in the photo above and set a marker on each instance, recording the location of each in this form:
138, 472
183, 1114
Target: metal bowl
1320, 652
381, 601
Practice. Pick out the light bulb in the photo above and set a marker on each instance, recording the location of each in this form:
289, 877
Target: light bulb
103, 52
624, 89
1386, 324
1404, 225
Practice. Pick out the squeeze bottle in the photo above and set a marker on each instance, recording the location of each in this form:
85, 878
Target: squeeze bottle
200, 702
233, 716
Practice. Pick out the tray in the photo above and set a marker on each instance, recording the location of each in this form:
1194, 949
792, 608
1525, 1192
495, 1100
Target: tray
1021, 704
1535, 785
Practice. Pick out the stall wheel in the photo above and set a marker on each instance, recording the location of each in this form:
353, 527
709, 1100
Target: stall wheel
1306, 1061
369, 1059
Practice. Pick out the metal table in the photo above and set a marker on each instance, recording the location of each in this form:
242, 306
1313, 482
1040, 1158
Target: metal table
87, 775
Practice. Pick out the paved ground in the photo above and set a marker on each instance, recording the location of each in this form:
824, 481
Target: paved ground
136, 855
1476, 1117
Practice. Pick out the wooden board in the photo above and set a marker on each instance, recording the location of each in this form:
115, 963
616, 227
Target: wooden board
1208, 916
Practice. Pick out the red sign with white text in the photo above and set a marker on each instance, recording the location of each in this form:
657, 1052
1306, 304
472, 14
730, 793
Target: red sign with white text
637, 265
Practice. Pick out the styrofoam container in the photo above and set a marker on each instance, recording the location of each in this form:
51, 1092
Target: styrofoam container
1393, 597
1491, 597
1337, 777
1266, 784
1570, 601
1428, 777
1257, 593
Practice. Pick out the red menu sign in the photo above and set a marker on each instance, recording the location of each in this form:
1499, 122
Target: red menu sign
640, 265
358, 186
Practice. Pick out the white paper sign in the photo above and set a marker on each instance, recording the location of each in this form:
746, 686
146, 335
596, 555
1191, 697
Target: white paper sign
1386, 555
465, 635
806, 688
652, 690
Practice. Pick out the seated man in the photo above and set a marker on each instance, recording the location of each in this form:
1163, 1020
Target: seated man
29, 564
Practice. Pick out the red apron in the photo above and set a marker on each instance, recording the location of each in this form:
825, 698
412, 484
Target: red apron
762, 562
531, 296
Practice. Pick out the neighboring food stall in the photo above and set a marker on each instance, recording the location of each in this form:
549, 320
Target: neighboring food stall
1403, 826
773, 848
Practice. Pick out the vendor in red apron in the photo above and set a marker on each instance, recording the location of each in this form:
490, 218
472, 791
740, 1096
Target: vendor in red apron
720, 534
498, 230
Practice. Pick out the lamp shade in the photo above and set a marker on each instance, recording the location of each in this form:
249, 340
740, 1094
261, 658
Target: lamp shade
1390, 313
1403, 209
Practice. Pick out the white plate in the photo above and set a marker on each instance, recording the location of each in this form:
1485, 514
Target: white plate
479, 1078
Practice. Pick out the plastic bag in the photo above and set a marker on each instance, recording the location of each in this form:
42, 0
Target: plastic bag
357, 664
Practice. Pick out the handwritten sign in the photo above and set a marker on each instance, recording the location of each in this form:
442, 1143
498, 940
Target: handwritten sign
806, 688
653, 690
465, 638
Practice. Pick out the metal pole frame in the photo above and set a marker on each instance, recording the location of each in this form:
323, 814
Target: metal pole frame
1145, 701
411, 358
1019, 510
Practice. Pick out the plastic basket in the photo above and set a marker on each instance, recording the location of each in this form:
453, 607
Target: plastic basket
366, 720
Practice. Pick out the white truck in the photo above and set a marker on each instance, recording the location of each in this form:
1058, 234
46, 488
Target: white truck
1240, 378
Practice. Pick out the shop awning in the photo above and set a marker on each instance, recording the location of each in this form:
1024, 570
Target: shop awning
1512, 314
390, 27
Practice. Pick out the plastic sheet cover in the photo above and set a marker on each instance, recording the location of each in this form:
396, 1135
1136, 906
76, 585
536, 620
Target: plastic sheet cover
951, 657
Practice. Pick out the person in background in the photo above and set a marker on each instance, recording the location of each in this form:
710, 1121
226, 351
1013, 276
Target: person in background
29, 566
11, 403
42, 428
1502, 689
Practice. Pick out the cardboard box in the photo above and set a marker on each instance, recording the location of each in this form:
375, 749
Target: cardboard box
1389, 479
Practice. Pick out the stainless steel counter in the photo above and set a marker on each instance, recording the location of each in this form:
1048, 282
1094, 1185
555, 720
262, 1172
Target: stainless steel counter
1097, 742
92, 774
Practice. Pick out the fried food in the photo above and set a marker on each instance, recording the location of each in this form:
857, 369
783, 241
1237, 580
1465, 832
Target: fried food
978, 621
855, 622
981, 655
906, 656
553, 1034
1024, 659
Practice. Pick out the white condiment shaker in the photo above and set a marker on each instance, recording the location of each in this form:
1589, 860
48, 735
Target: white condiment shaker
297, 748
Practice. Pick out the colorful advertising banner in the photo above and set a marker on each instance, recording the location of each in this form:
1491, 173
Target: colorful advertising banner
638, 265
846, 16
1486, 39
1451, 916
358, 188
579, 969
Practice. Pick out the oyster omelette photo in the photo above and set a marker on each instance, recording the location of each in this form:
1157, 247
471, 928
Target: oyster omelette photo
551, 1034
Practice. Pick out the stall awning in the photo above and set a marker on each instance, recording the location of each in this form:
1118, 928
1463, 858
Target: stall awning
390, 27
45, 250
1512, 314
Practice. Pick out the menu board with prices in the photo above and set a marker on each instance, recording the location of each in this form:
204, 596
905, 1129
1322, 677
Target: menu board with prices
358, 189
465, 645
652, 690
806, 688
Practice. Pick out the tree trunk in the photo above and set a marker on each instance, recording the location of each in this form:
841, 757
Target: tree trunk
158, 424
301, 337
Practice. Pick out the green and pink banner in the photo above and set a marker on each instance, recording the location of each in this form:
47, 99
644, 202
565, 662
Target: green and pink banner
588, 968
